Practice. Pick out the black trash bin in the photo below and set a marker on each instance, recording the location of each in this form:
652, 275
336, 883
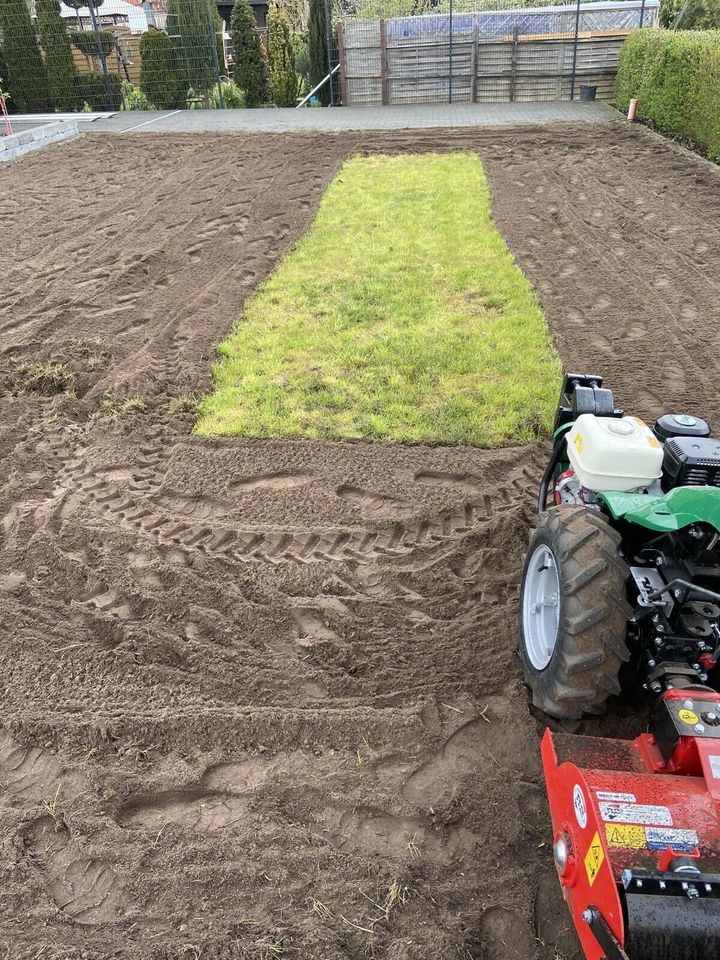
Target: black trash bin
587, 92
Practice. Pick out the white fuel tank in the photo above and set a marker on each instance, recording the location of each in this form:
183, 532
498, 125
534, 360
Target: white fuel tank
608, 453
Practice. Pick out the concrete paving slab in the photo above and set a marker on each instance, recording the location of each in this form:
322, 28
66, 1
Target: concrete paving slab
357, 118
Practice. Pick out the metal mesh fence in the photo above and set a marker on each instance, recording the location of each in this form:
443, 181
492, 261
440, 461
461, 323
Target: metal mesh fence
54, 56
177, 54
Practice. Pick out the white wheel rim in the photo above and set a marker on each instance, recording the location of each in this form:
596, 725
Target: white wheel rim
541, 607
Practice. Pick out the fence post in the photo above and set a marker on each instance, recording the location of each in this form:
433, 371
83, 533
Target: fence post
213, 46
642, 13
513, 61
341, 58
328, 43
450, 56
383, 64
101, 55
474, 62
575, 49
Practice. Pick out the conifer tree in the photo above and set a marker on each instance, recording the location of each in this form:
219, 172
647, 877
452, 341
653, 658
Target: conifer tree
317, 44
188, 27
249, 71
281, 56
27, 79
160, 78
58, 55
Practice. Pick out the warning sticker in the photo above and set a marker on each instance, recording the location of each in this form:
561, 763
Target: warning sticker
715, 765
680, 840
636, 813
688, 716
618, 797
594, 858
623, 835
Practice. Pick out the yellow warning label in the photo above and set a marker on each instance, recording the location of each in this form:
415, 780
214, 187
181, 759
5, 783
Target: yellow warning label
688, 716
594, 858
622, 835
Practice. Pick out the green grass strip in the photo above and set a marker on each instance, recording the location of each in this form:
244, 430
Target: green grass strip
401, 315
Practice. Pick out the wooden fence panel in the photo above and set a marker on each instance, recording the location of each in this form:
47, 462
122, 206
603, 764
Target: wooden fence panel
407, 60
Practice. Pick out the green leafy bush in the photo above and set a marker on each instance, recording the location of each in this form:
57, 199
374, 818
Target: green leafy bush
696, 14
302, 62
233, 97
4, 83
91, 90
676, 78
86, 42
133, 98
161, 79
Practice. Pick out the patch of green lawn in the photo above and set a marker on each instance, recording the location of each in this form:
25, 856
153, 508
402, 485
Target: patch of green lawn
400, 315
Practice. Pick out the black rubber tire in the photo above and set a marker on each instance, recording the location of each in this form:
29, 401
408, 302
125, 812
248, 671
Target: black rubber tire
585, 666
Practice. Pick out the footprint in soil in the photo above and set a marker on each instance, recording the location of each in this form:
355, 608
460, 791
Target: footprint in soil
461, 481
504, 935
222, 799
373, 833
375, 504
271, 481
84, 888
312, 628
31, 773
192, 809
471, 749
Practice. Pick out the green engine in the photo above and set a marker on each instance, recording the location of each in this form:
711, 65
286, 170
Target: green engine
621, 583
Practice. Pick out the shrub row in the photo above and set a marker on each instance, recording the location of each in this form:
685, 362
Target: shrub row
676, 78
91, 89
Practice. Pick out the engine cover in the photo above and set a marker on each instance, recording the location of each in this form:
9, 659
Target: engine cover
691, 462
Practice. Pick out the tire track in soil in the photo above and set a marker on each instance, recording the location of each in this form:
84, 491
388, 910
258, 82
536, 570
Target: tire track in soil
284, 673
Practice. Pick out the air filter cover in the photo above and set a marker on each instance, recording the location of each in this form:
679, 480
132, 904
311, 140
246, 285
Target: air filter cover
680, 425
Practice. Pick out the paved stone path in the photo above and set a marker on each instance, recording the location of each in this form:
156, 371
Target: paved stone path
357, 118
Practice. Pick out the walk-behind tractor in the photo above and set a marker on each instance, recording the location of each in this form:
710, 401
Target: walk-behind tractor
621, 585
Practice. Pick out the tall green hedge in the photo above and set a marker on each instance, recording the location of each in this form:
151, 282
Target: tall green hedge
86, 41
187, 25
676, 78
4, 86
58, 54
283, 79
27, 79
91, 88
317, 44
161, 79
249, 72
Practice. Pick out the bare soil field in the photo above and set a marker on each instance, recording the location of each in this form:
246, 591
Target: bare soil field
262, 699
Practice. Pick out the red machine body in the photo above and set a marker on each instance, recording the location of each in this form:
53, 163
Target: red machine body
636, 828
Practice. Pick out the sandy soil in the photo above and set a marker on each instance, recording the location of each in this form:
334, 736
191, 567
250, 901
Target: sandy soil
262, 699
